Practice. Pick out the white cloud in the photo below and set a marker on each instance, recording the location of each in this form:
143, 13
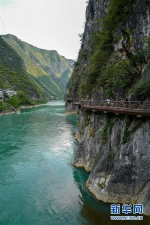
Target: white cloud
46, 24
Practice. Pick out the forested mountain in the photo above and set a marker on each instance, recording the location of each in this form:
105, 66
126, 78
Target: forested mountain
47, 68
13, 73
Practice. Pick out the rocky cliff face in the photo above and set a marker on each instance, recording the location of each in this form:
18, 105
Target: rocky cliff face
70, 107
115, 51
115, 149
114, 62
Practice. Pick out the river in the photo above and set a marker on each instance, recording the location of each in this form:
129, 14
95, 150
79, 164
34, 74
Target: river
38, 184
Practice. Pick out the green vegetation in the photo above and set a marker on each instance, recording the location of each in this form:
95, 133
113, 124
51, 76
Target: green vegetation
126, 135
6, 96
81, 37
47, 69
86, 119
101, 185
13, 73
110, 126
119, 74
99, 66
128, 132
107, 130
3, 106
92, 132
110, 155
104, 132
142, 89
101, 69
68, 86
14, 101
145, 129
104, 68
18, 100
78, 124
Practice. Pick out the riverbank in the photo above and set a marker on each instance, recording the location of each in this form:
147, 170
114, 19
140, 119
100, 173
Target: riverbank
30, 106
17, 111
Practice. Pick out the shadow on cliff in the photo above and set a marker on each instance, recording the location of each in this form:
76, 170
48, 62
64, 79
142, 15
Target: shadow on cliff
93, 211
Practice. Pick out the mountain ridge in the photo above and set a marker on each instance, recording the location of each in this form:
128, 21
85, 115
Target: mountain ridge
13, 73
48, 69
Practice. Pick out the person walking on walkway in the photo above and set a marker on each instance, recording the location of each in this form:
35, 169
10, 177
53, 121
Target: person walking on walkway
122, 102
126, 102
108, 102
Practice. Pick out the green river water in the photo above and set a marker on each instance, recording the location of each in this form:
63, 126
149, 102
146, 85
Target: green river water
38, 184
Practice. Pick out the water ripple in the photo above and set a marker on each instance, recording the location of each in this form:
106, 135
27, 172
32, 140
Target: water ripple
38, 184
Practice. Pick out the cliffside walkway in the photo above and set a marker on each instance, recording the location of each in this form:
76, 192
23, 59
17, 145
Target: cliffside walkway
137, 108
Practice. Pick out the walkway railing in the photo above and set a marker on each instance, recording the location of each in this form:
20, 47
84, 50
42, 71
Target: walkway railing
113, 104
130, 107
116, 104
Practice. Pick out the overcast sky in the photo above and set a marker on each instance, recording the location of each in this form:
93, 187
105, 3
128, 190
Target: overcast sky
51, 24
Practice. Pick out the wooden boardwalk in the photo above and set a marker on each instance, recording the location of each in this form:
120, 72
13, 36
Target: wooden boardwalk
137, 108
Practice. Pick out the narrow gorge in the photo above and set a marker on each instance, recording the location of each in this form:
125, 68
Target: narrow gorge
114, 63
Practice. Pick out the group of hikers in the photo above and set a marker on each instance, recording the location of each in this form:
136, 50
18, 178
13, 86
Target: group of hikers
123, 102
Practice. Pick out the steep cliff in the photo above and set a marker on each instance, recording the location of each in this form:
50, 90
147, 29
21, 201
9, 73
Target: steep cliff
115, 50
115, 149
114, 62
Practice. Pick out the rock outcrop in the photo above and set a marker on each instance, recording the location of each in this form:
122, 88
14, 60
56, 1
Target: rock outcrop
70, 107
114, 62
115, 149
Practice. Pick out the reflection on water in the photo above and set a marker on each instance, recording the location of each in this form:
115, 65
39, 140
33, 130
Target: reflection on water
39, 185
